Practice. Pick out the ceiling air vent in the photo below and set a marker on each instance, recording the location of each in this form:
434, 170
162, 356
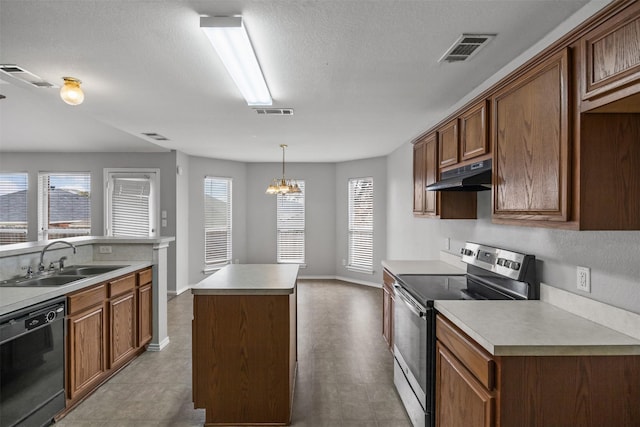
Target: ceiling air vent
274, 111
155, 136
466, 47
24, 75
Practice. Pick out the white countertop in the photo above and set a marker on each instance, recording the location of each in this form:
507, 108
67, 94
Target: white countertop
250, 279
429, 267
534, 328
15, 297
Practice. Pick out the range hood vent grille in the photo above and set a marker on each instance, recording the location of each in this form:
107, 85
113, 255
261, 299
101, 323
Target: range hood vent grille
466, 47
24, 76
274, 111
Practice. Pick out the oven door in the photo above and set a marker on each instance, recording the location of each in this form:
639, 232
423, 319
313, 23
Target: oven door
410, 335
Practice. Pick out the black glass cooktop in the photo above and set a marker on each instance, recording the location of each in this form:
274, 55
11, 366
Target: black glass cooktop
426, 289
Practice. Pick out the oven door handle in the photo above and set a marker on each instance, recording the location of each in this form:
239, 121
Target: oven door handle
415, 309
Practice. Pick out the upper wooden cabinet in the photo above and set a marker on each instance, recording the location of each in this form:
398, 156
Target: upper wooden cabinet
611, 56
531, 144
445, 205
474, 131
448, 144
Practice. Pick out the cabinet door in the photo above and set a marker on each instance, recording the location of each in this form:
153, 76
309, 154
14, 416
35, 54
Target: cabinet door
387, 308
460, 399
86, 346
531, 144
145, 326
474, 135
448, 144
431, 175
122, 328
418, 177
611, 54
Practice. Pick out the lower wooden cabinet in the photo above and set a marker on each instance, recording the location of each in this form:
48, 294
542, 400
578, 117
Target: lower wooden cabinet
388, 301
474, 388
108, 324
87, 343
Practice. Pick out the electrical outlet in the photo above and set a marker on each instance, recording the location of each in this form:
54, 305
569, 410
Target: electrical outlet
104, 249
447, 243
583, 279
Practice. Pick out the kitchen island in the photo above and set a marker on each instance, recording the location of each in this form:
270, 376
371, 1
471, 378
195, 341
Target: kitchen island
244, 344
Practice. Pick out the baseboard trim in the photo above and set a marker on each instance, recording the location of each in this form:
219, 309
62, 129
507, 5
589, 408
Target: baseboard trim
158, 347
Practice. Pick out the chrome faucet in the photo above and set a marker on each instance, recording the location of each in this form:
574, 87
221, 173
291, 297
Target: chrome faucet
41, 265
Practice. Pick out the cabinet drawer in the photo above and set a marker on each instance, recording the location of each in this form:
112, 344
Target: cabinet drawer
86, 298
122, 285
145, 276
472, 356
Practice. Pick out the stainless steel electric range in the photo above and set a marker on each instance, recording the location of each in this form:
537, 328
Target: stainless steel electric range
492, 274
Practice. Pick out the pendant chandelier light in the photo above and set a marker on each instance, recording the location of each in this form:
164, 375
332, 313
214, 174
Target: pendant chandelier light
283, 185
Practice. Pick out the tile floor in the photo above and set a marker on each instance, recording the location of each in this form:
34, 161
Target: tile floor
345, 372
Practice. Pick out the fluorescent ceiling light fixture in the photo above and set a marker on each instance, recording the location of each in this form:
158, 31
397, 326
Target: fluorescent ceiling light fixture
230, 39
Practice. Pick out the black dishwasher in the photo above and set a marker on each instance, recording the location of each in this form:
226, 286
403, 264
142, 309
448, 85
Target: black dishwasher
32, 364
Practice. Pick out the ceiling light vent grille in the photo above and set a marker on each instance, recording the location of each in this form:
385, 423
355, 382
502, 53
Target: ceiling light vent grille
274, 111
24, 75
155, 136
466, 47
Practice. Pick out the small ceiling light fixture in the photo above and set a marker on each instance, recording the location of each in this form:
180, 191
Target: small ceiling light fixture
283, 185
70, 92
229, 37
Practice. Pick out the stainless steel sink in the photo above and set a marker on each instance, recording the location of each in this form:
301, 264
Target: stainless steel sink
89, 270
57, 280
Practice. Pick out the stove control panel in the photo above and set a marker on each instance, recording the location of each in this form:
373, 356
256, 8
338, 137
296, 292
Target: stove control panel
506, 263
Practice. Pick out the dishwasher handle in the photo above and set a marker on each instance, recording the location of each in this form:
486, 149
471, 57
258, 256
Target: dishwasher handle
411, 305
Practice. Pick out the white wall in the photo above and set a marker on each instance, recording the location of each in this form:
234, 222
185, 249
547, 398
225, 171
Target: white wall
613, 256
320, 208
182, 222
199, 167
377, 169
32, 163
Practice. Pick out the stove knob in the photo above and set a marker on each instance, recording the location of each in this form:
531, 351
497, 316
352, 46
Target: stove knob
50, 317
515, 265
466, 252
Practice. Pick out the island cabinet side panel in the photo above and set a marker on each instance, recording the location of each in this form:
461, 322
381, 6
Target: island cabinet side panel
241, 358
586, 391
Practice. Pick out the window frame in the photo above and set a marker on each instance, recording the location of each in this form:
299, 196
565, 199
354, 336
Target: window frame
217, 263
20, 233
295, 227
45, 232
363, 229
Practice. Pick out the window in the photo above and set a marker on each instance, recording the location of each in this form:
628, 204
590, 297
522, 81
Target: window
361, 224
217, 222
13, 208
131, 203
290, 226
64, 205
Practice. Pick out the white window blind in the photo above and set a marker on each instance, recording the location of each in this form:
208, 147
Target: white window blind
13, 208
130, 206
290, 226
361, 224
64, 205
217, 221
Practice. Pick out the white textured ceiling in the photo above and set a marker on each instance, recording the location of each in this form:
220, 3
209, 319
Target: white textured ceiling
362, 75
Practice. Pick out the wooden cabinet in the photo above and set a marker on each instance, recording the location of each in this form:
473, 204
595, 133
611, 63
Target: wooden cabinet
474, 388
122, 320
442, 204
86, 340
474, 131
425, 172
531, 144
388, 301
461, 400
448, 144
244, 357
611, 57
108, 324
145, 306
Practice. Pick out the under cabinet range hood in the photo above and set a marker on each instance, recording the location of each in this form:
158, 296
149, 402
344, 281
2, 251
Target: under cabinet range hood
473, 177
